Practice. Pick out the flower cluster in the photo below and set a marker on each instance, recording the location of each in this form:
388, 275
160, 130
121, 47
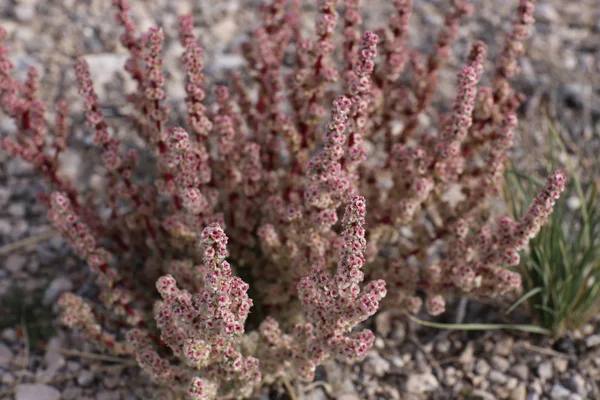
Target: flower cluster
259, 174
204, 329
115, 295
334, 306
79, 315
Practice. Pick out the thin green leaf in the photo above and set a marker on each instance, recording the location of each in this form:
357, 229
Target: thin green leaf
523, 299
481, 327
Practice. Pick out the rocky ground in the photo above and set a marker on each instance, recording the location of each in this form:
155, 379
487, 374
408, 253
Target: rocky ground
41, 360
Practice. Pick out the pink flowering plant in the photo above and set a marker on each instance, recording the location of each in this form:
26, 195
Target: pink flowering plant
262, 184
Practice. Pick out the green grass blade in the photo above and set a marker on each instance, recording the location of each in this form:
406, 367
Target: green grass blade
481, 327
523, 299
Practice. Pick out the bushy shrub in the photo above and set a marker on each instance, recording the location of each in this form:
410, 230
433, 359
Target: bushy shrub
261, 175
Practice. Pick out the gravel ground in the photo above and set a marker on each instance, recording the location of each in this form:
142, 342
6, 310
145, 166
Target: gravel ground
41, 360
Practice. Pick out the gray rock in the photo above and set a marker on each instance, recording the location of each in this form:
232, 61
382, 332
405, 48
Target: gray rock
6, 356
545, 371
511, 383
4, 195
587, 329
228, 61
559, 392
466, 357
528, 71
213, 11
504, 347
7, 378
450, 376
71, 163
399, 332
545, 13
536, 387
317, 394
578, 384
592, 341
339, 380
5, 227
398, 361
519, 393
28, 2
569, 59
85, 378
22, 62
9, 335
15, 263
108, 395
224, 30
111, 382
72, 393
348, 397
443, 346
500, 363
24, 12
45, 254
53, 359
421, 383
497, 377
520, 371
375, 364
36, 392
482, 367
33, 266
103, 67
383, 323
574, 203
7, 125
73, 366
58, 286
561, 364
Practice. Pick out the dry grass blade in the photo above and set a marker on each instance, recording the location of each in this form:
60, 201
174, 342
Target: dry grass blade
30, 241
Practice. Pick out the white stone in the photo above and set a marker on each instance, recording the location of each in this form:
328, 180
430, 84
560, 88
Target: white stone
482, 367
228, 61
36, 392
225, 30
85, 378
559, 392
500, 363
103, 67
520, 371
545, 371
56, 288
520, 393
545, 13
375, 364
592, 341
498, 377
6, 356
17, 209
108, 395
15, 263
443, 346
421, 383
24, 12
574, 203
53, 359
